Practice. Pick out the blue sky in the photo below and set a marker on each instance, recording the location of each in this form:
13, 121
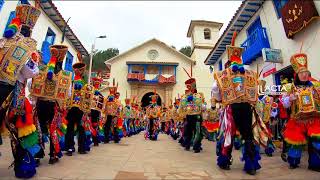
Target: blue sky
129, 23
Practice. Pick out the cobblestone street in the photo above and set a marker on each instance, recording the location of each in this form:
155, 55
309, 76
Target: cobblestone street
136, 158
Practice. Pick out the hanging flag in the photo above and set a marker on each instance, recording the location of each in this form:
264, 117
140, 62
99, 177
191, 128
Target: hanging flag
296, 15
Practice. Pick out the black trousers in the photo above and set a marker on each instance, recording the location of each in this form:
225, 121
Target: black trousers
45, 111
134, 126
74, 116
190, 129
163, 126
116, 137
151, 126
95, 115
5, 90
107, 128
242, 115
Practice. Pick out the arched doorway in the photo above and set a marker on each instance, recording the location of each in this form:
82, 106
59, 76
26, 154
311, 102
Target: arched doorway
146, 99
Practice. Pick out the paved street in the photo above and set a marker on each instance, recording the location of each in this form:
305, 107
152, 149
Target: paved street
136, 158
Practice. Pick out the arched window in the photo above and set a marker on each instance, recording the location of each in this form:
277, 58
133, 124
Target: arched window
207, 33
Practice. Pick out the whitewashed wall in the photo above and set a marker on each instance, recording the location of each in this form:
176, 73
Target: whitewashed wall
278, 40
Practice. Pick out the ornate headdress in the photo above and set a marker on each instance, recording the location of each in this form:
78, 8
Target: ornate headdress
58, 53
26, 18
79, 69
234, 55
299, 62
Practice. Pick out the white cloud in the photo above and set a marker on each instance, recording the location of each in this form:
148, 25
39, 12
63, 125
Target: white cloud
128, 24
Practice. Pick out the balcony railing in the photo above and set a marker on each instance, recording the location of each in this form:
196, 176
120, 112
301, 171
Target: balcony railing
254, 44
136, 77
161, 79
152, 74
167, 80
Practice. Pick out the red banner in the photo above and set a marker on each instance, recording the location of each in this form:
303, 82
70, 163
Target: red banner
296, 15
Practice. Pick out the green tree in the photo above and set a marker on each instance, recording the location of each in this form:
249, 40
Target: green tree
100, 57
186, 51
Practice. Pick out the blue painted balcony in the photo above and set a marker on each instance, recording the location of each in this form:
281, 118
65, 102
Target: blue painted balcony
254, 44
151, 73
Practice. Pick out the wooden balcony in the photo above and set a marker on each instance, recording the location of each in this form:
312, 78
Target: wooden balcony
161, 73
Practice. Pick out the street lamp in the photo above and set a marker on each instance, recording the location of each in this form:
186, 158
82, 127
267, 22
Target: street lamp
91, 56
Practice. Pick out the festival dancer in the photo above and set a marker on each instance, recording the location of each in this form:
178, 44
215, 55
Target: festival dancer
79, 103
192, 105
236, 88
153, 112
113, 109
11, 66
49, 98
163, 120
19, 63
264, 110
97, 107
212, 124
127, 115
303, 127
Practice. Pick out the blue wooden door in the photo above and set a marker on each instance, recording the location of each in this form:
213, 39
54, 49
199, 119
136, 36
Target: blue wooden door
255, 25
69, 60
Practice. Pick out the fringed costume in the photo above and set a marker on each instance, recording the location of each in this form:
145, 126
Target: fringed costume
19, 62
112, 126
97, 107
51, 89
236, 88
128, 116
192, 105
153, 112
264, 110
303, 127
211, 123
80, 102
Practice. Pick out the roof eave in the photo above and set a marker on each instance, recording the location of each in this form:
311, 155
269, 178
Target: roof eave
47, 6
231, 27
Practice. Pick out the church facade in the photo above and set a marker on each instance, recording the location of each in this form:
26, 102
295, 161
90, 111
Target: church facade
155, 66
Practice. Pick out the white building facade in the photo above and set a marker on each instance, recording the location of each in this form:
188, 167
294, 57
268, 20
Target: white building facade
259, 25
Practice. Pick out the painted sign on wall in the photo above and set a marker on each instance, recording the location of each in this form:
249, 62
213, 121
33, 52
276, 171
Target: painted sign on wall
268, 69
272, 55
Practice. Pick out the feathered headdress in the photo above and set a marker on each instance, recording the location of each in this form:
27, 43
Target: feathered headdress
191, 82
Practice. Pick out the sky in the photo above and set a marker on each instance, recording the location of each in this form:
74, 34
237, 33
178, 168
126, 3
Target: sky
130, 23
